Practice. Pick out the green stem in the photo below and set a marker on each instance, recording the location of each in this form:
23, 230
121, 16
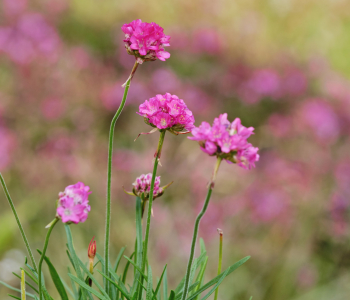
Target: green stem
23, 285
43, 255
109, 174
196, 226
18, 221
150, 201
220, 262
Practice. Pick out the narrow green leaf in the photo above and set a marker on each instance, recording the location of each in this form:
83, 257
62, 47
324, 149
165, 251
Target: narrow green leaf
200, 276
27, 283
88, 288
12, 296
73, 285
137, 267
122, 291
74, 256
68, 288
172, 295
14, 289
119, 257
31, 276
251, 297
93, 279
55, 278
202, 245
138, 250
157, 291
149, 293
126, 270
217, 284
217, 278
165, 285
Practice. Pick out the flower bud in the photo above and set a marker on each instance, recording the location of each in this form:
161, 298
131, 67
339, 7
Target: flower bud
92, 249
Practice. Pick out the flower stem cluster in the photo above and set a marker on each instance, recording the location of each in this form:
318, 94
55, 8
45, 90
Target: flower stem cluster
167, 112
73, 204
146, 41
227, 140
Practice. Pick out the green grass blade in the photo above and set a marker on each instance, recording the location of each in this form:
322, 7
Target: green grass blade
14, 289
202, 245
149, 292
55, 278
84, 286
75, 291
217, 278
122, 291
157, 291
12, 296
138, 250
137, 267
172, 295
165, 286
200, 276
7, 194
217, 285
119, 257
27, 283
74, 257
125, 273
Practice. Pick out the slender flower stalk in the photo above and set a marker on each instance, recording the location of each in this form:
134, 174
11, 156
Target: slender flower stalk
196, 226
53, 223
23, 285
18, 222
109, 173
150, 201
220, 261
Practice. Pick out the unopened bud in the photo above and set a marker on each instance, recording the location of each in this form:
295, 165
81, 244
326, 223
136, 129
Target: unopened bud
92, 249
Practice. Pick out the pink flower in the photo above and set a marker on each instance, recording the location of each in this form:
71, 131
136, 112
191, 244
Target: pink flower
146, 40
73, 203
167, 112
227, 140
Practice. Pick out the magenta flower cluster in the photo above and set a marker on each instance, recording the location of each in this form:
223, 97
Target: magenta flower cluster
146, 40
142, 185
227, 140
73, 204
167, 112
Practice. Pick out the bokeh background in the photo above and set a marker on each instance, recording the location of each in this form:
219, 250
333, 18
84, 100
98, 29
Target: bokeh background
282, 66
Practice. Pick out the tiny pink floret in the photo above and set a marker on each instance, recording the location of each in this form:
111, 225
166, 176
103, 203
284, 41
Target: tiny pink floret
142, 184
227, 140
73, 204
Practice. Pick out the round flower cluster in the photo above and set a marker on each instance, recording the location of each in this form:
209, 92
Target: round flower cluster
227, 140
142, 185
146, 40
167, 112
73, 203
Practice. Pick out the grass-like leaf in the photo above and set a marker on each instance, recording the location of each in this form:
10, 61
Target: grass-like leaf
159, 282
217, 284
172, 295
74, 256
149, 292
14, 289
165, 285
88, 288
217, 278
119, 257
122, 291
138, 246
200, 276
27, 283
55, 278
12, 296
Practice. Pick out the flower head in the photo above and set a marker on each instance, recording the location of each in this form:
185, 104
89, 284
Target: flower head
167, 112
146, 40
142, 187
227, 140
73, 203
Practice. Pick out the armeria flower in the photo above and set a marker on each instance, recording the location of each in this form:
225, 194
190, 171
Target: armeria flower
142, 187
227, 140
146, 41
73, 203
167, 112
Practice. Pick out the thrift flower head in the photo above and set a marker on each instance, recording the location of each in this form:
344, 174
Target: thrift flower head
73, 203
167, 112
146, 41
142, 187
227, 140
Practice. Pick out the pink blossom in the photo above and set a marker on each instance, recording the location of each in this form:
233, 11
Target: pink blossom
142, 184
227, 140
73, 203
146, 40
167, 112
